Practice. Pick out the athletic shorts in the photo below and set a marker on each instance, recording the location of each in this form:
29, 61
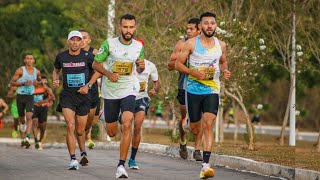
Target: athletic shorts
79, 103
25, 103
112, 107
95, 99
181, 96
98, 108
199, 104
142, 105
40, 113
256, 118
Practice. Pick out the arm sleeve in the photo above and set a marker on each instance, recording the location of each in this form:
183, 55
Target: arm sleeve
154, 73
57, 63
103, 52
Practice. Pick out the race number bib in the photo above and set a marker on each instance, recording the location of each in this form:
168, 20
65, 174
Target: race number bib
143, 86
76, 80
38, 97
123, 68
209, 71
27, 89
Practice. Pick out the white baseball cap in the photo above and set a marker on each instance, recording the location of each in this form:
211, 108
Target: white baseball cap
75, 34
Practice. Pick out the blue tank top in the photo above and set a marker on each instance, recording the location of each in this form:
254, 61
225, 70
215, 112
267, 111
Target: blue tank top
27, 90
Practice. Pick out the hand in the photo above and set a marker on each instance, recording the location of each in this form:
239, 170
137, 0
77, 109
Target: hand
84, 89
140, 65
36, 83
226, 74
198, 74
56, 83
153, 92
28, 83
113, 77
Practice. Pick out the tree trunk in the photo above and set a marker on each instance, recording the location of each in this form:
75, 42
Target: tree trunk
220, 118
236, 121
285, 121
251, 137
318, 144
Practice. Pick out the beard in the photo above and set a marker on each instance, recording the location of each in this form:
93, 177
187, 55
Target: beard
207, 35
127, 38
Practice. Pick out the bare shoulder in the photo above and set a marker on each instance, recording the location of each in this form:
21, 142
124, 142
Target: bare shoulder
19, 71
222, 44
179, 45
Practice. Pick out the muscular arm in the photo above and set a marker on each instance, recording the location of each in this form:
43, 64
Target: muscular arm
223, 59
15, 77
51, 96
94, 77
55, 76
5, 105
11, 92
174, 55
182, 57
99, 68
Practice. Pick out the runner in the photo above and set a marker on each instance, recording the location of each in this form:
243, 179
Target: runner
207, 57
192, 31
118, 60
43, 98
93, 92
25, 78
12, 94
75, 64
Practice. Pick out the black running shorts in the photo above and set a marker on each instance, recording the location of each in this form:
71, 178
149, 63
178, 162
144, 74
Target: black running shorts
79, 103
40, 113
199, 104
181, 96
25, 103
142, 105
112, 107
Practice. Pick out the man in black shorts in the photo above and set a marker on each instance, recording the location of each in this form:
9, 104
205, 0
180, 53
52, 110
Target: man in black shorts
75, 64
43, 98
192, 31
25, 78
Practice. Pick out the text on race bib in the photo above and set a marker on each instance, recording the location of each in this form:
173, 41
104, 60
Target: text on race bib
38, 97
76, 80
27, 89
123, 68
209, 71
143, 86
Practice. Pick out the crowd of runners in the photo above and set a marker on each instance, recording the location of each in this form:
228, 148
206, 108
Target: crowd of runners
118, 74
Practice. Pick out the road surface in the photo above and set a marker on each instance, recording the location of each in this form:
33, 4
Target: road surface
18, 163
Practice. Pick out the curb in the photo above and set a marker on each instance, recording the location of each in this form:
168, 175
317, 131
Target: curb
233, 162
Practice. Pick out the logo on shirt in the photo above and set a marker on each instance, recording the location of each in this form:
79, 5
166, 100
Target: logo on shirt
125, 54
101, 49
71, 64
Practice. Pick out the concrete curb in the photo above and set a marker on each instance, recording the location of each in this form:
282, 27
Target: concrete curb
233, 162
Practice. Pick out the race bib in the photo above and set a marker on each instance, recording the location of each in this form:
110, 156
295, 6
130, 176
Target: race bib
123, 68
27, 89
76, 80
38, 98
209, 71
143, 86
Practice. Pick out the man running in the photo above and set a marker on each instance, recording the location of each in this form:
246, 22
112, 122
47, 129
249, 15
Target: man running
118, 60
12, 94
43, 98
142, 105
207, 57
25, 78
192, 31
93, 115
75, 64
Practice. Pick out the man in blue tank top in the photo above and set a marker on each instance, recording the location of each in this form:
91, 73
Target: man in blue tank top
207, 57
25, 78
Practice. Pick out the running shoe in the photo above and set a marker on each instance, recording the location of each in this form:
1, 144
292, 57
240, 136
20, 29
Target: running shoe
23, 127
74, 165
90, 144
186, 124
23, 143
132, 164
14, 134
38, 146
206, 171
183, 151
84, 160
108, 138
197, 156
27, 142
121, 172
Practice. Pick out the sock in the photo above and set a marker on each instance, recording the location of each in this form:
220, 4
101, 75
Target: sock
206, 156
183, 142
121, 162
197, 150
73, 157
28, 136
83, 153
36, 140
133, 153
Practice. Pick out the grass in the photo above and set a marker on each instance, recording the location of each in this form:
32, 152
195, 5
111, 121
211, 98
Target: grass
304, 155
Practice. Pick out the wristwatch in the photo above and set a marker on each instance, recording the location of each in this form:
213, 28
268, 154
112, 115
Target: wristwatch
89, 85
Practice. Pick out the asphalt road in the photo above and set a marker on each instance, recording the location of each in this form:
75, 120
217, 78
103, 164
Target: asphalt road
18, 163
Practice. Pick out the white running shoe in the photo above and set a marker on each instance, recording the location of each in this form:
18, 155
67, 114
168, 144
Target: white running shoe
108, 138
121, 172
23, 127
74, 165
27, 142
